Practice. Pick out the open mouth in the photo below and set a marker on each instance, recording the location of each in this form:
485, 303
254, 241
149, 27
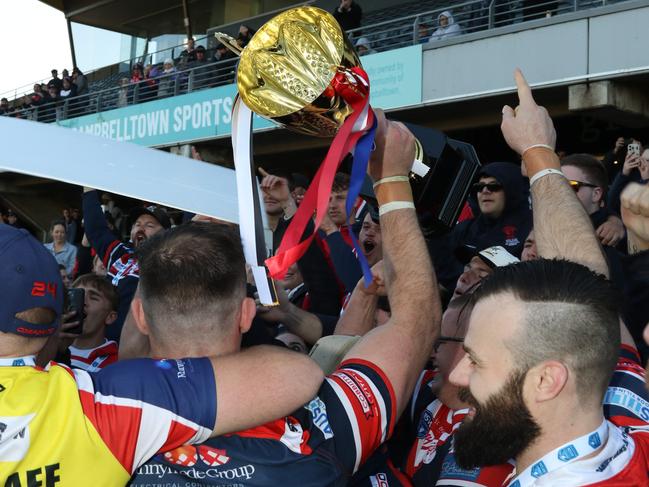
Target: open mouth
368, 246
139, 238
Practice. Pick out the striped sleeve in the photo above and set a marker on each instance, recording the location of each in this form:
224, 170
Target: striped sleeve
626, 402
362, 410
142, 407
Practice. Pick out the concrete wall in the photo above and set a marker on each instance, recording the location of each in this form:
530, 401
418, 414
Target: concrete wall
563, 53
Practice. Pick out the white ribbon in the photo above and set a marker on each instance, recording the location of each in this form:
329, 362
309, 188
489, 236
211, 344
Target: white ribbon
250, 204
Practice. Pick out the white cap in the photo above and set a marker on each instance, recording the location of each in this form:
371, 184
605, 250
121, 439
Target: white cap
497, 256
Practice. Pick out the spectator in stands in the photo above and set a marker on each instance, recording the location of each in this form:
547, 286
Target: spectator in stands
222, 53
71, 228
423, 33
68, 90
149, 89
50, 112
136, 74
364, 46
55, 82
244, 36
167, 84
533, 9
37, 97
447, 27
4, 106
348, 14
189, 53
635, 169
91, 351
80, 81
200, 73
122, 93
65, 253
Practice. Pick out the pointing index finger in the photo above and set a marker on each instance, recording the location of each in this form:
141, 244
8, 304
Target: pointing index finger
524, 91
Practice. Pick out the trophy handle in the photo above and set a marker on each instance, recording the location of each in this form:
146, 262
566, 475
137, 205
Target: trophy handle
229, 42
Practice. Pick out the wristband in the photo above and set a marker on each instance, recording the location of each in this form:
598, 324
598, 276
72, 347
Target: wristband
544, 172
395, 205
395, 191
544, 146
537, 159
391, 179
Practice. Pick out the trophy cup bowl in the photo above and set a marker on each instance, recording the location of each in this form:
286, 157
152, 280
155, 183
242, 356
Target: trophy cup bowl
286, 71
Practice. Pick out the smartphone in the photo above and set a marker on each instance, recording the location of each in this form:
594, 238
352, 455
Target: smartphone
76, 298
633, 149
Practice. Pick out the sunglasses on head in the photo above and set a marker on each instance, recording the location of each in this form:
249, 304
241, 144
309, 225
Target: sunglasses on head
577, 185
492, 187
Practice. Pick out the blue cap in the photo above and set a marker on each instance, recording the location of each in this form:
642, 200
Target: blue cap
29, 278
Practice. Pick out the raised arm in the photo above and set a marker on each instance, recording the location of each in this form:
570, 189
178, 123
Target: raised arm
99, 235
561, 226
401, 347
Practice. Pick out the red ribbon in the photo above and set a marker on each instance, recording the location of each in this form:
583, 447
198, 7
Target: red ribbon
317, 196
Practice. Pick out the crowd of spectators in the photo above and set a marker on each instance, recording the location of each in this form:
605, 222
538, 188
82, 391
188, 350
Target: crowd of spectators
547, 270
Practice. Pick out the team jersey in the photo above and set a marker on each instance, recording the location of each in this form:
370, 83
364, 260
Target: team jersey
121, 264
430, 460
321, 444
93, 359
63, 427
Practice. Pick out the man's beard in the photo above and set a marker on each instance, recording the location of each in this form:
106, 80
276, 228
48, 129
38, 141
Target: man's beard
501, 429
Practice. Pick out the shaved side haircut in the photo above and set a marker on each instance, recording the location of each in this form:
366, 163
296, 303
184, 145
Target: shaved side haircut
192, 280
571, 315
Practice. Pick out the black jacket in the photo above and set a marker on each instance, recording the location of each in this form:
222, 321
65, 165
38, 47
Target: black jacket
509, 230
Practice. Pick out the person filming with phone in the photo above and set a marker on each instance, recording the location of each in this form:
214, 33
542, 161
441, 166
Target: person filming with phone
635, 169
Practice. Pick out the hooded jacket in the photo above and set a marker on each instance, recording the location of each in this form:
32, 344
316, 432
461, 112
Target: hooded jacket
452, 29
508, 230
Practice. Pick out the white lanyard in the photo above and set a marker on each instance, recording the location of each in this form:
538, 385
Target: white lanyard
29, 361
565, 454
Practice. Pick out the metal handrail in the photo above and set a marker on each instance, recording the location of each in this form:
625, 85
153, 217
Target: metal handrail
385, 35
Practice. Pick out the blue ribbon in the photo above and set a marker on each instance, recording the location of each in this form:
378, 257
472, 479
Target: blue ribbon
362, 153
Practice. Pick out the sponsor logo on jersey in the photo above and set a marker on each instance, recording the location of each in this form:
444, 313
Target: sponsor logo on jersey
358, 392
44, 476
14, 438
212, 457
319, 416
594, 440
627, 399
162, 471
424, 423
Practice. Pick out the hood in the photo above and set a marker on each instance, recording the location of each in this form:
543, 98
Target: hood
516, 189
448, 15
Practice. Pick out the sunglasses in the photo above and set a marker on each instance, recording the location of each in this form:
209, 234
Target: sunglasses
577, 185
445, 339
492, 187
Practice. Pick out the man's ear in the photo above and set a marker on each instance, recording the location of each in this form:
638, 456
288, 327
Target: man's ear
598, 194
110, 318
548, 378
137, 312
248, 311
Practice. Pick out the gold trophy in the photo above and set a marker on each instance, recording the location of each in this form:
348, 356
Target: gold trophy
286, 71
